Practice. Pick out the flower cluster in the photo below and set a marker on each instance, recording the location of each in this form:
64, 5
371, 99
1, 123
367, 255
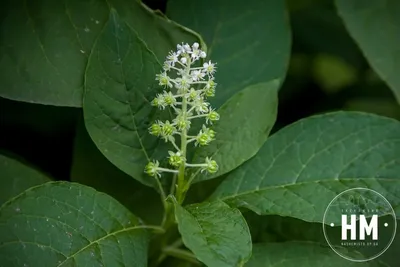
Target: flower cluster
181, 79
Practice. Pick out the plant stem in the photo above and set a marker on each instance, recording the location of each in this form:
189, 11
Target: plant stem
196, 164
181, 175
173, 184
193, 176
181, 254
175, 244
163, 199
157, 229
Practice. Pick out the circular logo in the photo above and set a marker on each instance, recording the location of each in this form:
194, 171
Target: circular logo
359, 224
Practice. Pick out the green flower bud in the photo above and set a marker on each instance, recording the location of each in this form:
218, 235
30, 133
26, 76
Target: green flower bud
152, 169
205, 136
192, 94
169, 99
182, 123
209, 89
211, 84
212, 116
164, 79
203, 139
176, 159
210, 92
167, 129
210, 132
158, 102
155, 129
212, 166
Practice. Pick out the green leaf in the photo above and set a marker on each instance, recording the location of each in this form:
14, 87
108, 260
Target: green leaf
120, 84
45, 45
91, 168
67, 224
290, 229
249, 40
246, 120
16, 177
298, 254
216, 233
375, 26
301, 168
44, 49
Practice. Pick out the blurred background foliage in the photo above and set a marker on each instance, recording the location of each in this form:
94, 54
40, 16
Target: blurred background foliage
327, 72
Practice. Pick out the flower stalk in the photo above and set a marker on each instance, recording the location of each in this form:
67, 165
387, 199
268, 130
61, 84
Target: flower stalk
179, 78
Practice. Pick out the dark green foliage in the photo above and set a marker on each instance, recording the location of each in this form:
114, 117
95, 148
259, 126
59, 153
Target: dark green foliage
308, 96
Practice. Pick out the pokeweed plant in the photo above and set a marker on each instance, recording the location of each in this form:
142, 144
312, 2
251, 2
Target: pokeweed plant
154, 130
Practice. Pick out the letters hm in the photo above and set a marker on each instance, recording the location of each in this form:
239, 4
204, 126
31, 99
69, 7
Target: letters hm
364, 227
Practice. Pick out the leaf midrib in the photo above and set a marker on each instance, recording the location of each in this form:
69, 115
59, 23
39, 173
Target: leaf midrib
97, 241
327, 180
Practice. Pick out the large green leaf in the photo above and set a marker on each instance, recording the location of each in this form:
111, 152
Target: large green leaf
45, 45
216, 233
67, 224
246, 120
16, 177
301, 168
298, 254
375, 26
249, 40
120, 84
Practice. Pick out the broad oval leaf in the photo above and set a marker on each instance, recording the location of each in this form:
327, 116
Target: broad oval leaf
246, 121
68, 224
299, 254
216, 233
45, 45
120, 84
16, 177
375, 26
301, 168
249, 40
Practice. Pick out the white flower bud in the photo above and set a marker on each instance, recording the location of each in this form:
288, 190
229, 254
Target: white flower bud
180, 49
187, 47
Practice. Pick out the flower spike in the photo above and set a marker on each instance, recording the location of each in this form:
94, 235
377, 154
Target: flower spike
188, 82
